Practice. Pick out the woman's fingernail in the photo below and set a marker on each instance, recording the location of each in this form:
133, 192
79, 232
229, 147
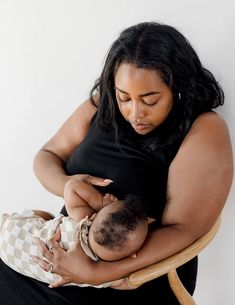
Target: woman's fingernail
108, 180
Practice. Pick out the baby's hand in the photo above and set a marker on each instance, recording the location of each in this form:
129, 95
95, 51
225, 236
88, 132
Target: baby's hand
108, 198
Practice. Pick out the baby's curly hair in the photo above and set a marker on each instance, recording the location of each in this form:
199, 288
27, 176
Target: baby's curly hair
114, 231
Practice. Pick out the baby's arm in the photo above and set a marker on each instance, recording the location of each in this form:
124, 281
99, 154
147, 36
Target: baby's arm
80, 201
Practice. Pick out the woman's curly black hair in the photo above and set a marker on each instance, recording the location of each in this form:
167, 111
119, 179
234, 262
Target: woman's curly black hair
163, 48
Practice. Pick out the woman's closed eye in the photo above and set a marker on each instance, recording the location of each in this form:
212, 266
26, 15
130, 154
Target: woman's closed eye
123, 99
146, 102
150, 103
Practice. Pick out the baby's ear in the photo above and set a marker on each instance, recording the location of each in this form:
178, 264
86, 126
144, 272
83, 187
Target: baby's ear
93, 216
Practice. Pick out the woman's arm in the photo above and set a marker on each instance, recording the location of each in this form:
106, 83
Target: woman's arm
199, 181
49, 161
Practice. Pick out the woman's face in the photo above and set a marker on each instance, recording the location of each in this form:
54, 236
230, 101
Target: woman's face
143, 98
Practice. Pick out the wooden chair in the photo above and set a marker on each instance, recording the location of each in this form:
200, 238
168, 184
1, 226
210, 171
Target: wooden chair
168, 266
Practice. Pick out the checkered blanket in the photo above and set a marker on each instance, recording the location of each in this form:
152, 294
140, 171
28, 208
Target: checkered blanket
17, 241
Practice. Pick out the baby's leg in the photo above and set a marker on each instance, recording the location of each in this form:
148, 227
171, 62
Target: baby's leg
45, 215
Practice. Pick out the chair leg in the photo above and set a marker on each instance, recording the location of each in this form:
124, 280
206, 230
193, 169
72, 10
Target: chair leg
179, 290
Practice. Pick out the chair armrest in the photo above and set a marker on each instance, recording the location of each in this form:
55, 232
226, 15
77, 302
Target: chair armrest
164, 266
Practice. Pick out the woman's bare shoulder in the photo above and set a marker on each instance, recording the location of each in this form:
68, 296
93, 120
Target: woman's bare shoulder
200, 175
85, 111
209, 123
207, 142
209, 118
209, 132
72, 132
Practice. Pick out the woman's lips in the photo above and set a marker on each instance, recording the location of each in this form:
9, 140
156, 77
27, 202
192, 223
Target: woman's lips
140, 126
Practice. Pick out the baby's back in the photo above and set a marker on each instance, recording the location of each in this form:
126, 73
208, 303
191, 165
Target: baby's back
18, 234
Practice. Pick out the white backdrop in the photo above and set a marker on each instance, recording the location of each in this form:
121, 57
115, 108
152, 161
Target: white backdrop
51, 51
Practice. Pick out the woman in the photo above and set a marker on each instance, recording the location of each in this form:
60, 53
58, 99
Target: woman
148, 125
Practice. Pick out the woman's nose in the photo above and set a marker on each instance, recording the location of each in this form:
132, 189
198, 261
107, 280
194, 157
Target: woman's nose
136, 112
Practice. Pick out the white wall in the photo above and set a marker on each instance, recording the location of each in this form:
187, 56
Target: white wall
51, 51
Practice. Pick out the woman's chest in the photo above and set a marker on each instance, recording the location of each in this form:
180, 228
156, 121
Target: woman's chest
132, 171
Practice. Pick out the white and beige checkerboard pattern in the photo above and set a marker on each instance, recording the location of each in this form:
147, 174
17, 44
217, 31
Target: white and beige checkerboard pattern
17, 241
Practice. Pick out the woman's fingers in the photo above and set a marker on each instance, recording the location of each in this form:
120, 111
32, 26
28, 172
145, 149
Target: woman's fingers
49, 252
62, 281
55, 237
45, 251
53, 244
96, 180
43, 264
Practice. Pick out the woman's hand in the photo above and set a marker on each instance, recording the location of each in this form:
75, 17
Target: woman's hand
92, 180
73, 265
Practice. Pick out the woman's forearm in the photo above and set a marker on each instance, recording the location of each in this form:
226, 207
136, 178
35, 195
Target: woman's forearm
161, 244
75, 266
48, 168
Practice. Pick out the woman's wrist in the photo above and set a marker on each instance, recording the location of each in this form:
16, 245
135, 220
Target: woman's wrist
104, 271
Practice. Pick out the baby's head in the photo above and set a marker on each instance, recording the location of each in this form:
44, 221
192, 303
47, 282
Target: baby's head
118, 230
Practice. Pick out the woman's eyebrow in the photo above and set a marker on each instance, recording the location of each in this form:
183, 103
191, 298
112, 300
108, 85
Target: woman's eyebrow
141, 95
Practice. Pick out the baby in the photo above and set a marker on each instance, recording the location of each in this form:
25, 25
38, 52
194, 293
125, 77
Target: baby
103, 235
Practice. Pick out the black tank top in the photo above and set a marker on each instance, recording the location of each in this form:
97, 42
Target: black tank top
133, 169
